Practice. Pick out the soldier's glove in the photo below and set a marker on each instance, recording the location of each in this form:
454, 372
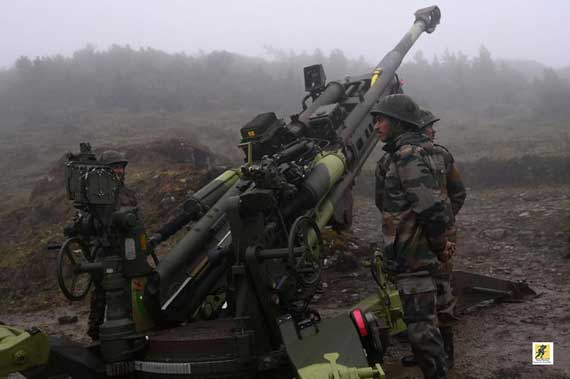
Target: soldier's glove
448, 252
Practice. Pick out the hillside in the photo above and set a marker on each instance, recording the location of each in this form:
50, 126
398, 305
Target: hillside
162, 172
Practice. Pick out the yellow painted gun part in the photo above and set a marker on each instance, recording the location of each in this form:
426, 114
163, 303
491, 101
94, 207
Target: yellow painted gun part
386, 303
375, 75
333, 370
20, 350
335, 162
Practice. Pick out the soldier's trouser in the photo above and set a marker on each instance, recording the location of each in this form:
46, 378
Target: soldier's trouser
418, 295
445, 300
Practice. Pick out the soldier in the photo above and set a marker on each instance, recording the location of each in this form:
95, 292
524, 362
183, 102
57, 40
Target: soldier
118, 163
454, 187
414, 222
454, 192
126, 198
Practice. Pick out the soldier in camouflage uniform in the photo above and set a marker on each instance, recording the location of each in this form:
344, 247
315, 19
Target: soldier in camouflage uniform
454, 192
125, 198
414, 223
452, 183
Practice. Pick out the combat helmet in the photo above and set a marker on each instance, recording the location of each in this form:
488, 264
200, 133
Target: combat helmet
112, 157
400, 107
427, 118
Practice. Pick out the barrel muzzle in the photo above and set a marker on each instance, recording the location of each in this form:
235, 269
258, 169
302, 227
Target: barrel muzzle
430, 16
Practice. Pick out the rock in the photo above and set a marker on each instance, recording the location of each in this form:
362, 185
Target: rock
64, 320
495, 234
524, 214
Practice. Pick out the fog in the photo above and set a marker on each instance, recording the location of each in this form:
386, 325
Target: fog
509, 29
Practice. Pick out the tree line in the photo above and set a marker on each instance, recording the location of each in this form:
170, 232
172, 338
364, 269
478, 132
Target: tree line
147, 79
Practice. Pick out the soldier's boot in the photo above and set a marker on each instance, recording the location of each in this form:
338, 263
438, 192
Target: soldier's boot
428, 350
447, 336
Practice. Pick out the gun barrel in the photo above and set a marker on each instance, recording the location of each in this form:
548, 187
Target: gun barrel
173, 268
426, 20
199, 203
214, 190
358, 134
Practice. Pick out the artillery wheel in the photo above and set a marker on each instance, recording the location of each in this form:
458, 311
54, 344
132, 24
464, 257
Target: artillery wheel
305, 234
73, 282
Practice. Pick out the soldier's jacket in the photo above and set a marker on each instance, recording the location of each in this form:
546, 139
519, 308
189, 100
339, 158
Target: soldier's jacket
126, 197
413, 205
451, 183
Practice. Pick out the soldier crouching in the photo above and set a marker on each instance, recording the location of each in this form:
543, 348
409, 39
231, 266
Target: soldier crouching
414, 224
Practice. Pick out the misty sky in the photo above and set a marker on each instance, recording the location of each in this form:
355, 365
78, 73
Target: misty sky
510, 29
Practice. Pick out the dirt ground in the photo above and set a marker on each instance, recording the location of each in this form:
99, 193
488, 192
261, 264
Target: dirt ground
514, 234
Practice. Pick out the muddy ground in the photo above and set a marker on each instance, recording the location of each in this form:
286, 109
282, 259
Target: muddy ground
515, 234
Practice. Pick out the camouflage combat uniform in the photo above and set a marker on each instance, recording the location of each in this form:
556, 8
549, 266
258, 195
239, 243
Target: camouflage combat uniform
408, 192
452, 187
454, 193
414, 218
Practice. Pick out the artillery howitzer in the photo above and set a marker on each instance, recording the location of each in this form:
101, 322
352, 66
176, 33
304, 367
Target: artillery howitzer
232, 298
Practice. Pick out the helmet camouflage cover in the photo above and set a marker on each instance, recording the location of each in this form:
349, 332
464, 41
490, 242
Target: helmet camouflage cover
112, 157
400, 107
